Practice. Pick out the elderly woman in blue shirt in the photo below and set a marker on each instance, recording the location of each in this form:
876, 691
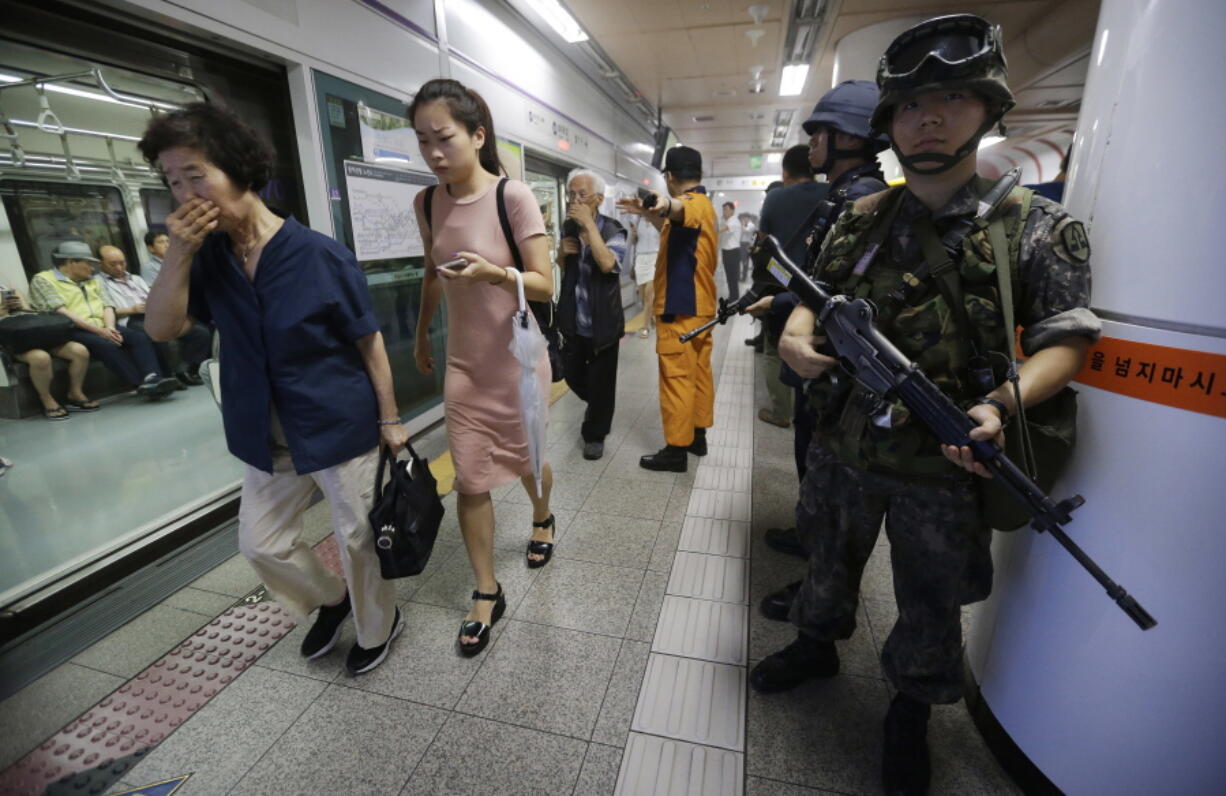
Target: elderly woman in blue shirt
307, 394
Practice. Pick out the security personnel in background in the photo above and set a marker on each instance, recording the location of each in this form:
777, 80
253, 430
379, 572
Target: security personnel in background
843, 147
685, 299
943, 86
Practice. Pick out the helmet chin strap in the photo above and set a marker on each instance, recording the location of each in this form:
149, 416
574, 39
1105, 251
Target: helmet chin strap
942, 162
832, 153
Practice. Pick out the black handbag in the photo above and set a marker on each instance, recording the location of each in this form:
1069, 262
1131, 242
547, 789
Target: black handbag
24, 330
406, 514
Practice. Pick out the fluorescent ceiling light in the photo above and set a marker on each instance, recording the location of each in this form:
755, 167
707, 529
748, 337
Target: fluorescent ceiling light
559, 19
989, 140
793, 80
774, 157
58, 88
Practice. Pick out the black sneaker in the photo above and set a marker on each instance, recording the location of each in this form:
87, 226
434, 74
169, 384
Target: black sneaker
323, 635
670, 458
778, 604
362, 660
804, 659
189, 379
785, 540
906, 768
593, 450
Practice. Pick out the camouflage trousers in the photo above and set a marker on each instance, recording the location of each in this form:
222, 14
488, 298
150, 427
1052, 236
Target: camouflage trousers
939, 555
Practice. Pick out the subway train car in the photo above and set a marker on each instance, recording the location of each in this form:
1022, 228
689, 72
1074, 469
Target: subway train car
141, 653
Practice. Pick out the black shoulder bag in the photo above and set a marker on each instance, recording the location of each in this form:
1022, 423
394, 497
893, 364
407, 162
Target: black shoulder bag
544, 311
406, 514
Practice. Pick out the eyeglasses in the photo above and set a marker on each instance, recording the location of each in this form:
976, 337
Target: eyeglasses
571, 196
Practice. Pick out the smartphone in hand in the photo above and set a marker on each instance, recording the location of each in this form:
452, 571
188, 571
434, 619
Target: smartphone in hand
458, 264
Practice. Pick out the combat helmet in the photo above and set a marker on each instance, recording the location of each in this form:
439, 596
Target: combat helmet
956, 51
847, 108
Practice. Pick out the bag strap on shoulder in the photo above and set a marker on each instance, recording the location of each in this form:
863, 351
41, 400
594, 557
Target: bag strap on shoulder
505, 220
427, 205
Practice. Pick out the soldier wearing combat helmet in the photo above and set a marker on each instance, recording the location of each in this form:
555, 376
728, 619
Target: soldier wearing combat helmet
929, 262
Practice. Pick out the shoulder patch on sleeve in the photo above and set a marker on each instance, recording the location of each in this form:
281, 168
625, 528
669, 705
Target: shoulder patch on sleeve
1072, 244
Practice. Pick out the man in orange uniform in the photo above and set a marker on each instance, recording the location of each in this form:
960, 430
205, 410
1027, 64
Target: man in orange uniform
685, 299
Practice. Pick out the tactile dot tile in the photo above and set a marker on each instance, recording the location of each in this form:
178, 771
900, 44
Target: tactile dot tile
100, 745
715, 537
702, 629
723, 479
691, 700
709, 578
665, 767
719, 505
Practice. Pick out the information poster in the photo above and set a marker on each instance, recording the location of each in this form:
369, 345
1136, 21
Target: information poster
387, 139
381, 211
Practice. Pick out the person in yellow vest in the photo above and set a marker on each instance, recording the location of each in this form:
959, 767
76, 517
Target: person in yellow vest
684, 300
71, 289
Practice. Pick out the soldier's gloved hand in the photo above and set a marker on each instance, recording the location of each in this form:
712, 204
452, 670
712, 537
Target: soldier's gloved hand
801, 354
989, 428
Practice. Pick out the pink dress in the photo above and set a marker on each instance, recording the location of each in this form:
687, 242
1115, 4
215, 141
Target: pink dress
481, 389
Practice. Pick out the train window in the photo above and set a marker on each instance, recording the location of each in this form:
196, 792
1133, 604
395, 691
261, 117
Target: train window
157, 204
42, 215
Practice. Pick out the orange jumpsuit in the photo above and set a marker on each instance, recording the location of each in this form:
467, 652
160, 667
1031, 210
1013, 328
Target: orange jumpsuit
685, 299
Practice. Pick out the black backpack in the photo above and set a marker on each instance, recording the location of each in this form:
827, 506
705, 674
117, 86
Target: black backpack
544, 311
405, 515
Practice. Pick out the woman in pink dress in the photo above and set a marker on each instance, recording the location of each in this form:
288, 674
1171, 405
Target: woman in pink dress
481, 388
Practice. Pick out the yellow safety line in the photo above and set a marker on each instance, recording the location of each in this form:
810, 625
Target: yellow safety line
443, 467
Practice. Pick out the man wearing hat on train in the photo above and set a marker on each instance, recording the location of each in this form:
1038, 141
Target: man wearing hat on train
927, 258
685, 299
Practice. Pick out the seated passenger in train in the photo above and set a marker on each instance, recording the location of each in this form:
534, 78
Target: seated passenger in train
155, 245
39, 362
128, 293
307, 393
943, 86
590, 315
72, 289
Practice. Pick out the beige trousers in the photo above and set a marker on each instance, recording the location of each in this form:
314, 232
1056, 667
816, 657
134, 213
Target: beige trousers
270, 536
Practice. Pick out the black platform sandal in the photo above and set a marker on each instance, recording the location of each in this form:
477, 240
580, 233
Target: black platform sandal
541, 548
480, 630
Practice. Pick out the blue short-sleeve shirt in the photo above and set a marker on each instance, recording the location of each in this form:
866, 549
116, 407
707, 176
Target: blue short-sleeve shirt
288, 340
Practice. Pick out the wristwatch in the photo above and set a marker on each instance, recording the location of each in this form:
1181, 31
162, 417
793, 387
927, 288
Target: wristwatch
1000, 407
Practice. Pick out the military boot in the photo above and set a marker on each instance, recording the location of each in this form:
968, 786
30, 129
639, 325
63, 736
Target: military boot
803, 659
905, 767
785, 540
670, 458
778, 604
699, 446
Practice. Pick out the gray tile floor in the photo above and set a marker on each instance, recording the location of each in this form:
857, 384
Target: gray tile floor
548, 707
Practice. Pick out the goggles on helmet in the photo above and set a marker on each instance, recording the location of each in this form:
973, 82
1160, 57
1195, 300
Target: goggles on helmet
957, 43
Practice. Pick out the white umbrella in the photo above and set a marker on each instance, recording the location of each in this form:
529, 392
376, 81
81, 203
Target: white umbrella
528, 346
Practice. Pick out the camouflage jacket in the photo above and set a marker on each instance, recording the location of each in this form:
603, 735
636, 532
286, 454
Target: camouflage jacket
1050, 269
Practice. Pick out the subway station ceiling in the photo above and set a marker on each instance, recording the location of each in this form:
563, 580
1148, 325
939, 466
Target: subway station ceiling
714, 67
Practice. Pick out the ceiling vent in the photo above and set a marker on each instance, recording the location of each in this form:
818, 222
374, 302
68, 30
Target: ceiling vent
703, 119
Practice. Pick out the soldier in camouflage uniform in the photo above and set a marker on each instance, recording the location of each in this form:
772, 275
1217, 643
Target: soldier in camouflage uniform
943, 86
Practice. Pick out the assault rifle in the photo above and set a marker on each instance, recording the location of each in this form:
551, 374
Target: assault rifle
873, 361
726, 310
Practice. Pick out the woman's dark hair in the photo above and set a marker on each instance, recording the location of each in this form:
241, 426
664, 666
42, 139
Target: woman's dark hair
226, 140
467, 108
796, 162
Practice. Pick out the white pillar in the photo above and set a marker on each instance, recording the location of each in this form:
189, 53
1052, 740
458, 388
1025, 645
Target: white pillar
1095, 703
